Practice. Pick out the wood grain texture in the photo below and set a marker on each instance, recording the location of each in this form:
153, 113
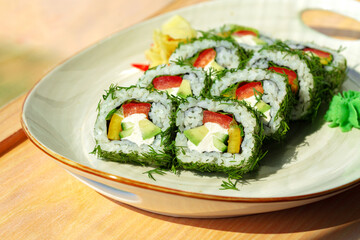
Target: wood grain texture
45, 202
11, 133
332, 24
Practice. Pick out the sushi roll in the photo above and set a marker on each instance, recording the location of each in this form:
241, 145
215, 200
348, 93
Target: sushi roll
217, 136
182, 81
267, 92
332, 62
210, 53
305, 76
246, 37
135, 125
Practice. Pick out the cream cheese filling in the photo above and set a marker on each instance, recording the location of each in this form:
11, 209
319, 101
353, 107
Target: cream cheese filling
252, 101
246, 39
207, 143
136, 136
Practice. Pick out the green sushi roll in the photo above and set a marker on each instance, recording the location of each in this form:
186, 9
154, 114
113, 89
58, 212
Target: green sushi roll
182, 81
267, 92
246, 37
214, 53
333, 63
305, 76
135, 125
218, 136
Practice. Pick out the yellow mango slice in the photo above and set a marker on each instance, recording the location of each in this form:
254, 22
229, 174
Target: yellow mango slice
235, 139
325, 61
115, 127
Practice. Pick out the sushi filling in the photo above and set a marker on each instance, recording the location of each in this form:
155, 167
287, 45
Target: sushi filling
219, 133
243, 35
261, 106
290, 75
325, 57
210, 141
251, 93
130, 122
206, 60
133, 123
247, 37
174, 85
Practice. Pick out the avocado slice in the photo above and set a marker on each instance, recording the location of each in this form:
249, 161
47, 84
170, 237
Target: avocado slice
126, 133
219, 144
127, 125
148, 129
259, 41
184, 89
221, 136
231, 91
216, 66
195, 135
262, 106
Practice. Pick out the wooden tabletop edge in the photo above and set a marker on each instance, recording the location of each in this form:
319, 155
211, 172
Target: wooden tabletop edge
11, 132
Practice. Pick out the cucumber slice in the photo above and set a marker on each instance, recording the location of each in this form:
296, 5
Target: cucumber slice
127, 125
195, 135
148, 129
126, 133
258, 41
221, 136
230, 92
219, 144
112, 112
184, 89
262, 106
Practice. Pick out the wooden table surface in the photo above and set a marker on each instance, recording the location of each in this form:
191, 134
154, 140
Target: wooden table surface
40, 200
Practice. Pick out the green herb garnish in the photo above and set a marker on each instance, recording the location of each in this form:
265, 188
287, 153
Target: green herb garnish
229, 185
154, 171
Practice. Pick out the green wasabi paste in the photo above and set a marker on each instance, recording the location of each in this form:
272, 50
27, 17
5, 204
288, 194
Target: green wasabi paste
344, 111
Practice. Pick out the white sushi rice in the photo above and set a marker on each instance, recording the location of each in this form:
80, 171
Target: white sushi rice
274, 86
226, 52
190, 115
159, 114
261, 59
194, 75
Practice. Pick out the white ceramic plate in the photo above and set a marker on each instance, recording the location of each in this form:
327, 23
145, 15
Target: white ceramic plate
315, 162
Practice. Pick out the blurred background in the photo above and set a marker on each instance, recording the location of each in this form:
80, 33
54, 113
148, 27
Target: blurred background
37, 35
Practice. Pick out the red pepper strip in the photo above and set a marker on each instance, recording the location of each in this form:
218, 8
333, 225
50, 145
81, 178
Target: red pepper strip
317, 52
205, 57
135, 107
292, 77
248, 90
244, 33
166, 82
325, 57
214, 117
142, 67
